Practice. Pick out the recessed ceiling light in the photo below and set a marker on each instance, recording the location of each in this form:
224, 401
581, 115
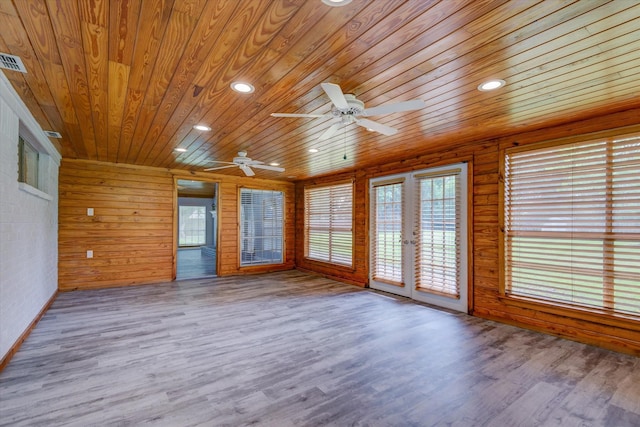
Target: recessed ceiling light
313, 150
202, 128
336, 3
242, 87
274, 164
491, 85
181, 150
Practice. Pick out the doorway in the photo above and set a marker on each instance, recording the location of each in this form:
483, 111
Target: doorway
197, 214
419, 235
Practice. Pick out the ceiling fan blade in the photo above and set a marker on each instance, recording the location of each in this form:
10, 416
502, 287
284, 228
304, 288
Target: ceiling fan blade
415, 104
219, 161
378, 127
296, 115
247, 170
269, 167
334, 92
221, 167
330, 132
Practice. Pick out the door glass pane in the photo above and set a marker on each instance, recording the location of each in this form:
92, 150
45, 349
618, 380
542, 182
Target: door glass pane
438, 236
387, 233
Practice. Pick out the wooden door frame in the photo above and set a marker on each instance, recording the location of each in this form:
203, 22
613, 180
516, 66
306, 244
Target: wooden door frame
174, 240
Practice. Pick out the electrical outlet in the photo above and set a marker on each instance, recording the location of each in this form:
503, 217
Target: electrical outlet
89, 211
89, 254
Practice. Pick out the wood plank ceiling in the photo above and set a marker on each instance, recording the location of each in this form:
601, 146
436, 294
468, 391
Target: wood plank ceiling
125, 81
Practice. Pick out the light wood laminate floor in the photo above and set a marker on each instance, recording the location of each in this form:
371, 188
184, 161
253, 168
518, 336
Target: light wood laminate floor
291, 349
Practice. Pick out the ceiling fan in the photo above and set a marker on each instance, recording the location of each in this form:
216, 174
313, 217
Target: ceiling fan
347, 109
245, 164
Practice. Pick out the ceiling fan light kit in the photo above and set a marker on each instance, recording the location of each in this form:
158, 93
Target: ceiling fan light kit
347, 109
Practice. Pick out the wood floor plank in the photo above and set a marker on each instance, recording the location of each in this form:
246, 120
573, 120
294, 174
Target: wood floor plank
292, 349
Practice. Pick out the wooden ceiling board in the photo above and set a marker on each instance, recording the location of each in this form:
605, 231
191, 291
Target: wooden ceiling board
320, 55
66, 30
125, 80
16, 44
263, 31
220, 117
311, 109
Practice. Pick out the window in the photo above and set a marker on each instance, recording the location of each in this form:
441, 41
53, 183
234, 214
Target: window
572, 224
28, 159
328, 223
193, 226
261, 227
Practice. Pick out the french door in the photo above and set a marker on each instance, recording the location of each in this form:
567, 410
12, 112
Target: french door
419, 235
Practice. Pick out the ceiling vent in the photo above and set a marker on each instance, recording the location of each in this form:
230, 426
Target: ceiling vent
11, 62
52, 134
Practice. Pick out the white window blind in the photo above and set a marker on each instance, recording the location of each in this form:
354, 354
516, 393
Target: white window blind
328, 223
387, 209
262, 225
572, 224
437, 261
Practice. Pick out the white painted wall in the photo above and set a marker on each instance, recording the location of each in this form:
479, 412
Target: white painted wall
28, 223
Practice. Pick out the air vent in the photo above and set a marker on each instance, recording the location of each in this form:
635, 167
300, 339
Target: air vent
11, 62
52, 134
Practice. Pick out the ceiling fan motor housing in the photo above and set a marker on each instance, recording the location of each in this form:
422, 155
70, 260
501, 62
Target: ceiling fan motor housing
242, 158
356, 107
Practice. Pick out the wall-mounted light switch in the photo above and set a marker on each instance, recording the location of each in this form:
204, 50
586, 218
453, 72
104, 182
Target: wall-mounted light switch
89, 254
89, 211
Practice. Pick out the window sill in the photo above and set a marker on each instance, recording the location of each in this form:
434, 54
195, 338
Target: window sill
325, 264
602, 317
34, 191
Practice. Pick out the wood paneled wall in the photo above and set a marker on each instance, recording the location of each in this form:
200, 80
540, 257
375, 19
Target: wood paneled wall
132, 230
483, 158
130, 233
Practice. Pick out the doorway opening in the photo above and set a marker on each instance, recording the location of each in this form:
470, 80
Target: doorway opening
197, 229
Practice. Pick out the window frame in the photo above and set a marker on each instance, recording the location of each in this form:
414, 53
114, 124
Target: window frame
180, 222
39, 186
28, 163
241, 231
571, 310
329, 261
